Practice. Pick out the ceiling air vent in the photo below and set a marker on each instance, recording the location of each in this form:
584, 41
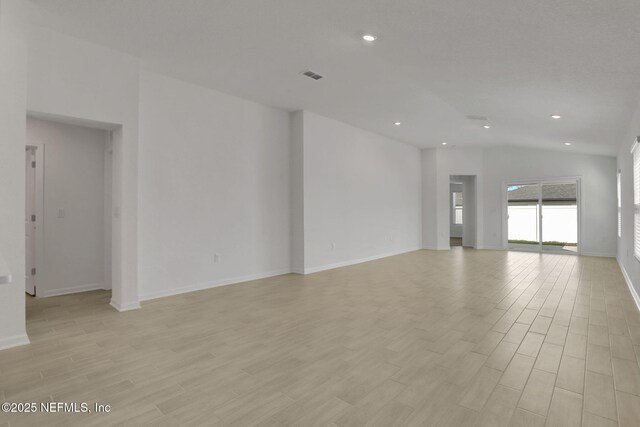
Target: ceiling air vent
482, 118
312, 75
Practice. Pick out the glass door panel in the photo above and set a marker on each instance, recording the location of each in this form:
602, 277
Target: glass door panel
559, 212
523, 210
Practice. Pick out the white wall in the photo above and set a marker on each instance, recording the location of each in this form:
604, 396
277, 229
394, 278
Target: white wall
493, 166
628, 262
361, 194
470, 201
74, 180
214, 179
429, 160
13, 60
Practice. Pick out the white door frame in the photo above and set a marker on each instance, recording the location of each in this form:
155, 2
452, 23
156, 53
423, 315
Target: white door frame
124, 216
38, 209
541, 181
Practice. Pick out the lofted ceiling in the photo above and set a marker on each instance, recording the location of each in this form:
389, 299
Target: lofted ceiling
434, 62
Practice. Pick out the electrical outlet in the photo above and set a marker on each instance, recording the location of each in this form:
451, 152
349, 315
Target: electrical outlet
216, 258
333, 246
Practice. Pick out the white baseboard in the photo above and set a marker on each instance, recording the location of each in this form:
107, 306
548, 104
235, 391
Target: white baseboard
599, 254
436, 248
14, 341
356, 261
124, 307
208, 285
627, 279
71, 290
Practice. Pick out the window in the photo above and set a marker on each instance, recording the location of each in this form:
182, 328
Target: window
636, 199
457, 208
619, 204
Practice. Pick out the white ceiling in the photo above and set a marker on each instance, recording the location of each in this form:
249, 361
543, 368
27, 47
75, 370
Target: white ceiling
436, 61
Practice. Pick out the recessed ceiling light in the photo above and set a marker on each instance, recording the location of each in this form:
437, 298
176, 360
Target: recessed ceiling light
486, 127
397, 123
444, 143
556, 116
369, 37
567, 143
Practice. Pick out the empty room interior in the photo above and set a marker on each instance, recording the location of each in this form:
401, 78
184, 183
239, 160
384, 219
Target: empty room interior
335, 213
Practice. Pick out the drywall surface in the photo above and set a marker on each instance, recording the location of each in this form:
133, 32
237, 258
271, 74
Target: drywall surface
469, 189
361, 194
429, 190
297, 192
214, 185
13, 57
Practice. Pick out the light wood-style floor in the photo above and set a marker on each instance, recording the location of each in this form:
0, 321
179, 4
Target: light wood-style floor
450, 338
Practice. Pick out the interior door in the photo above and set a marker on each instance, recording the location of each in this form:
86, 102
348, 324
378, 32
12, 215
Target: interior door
29, 221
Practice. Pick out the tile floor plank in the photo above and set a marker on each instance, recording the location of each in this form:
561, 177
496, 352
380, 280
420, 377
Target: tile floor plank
461, 337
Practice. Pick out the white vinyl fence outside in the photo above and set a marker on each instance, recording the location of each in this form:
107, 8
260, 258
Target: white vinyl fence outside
559, 223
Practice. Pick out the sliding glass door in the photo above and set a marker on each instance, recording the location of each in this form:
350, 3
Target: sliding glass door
524, 213
543, 216
559, 215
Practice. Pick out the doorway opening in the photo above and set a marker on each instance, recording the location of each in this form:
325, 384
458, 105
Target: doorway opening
68, 209
456, 201
543, 216
462, 211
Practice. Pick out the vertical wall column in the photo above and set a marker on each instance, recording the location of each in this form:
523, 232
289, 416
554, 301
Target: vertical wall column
297, 192
124, 253
429, 198
13, 113
435, 200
